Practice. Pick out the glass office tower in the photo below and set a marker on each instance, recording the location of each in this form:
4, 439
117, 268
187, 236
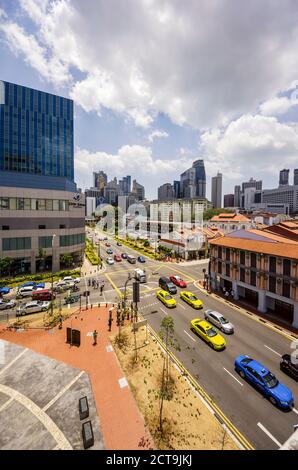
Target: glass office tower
36, 135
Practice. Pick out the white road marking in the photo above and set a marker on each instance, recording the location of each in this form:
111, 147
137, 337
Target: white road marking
189, 336
163, 310
235, 378
260, 425
272, 350
182, 306
295, 411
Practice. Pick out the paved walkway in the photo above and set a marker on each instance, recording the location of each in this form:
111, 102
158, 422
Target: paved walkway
121, 423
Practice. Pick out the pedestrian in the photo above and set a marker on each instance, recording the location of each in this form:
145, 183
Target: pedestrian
232, 293
110, 323
95, 334
101, 289
89, 282
226, 294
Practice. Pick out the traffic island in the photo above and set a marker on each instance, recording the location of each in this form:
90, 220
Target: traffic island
182, 421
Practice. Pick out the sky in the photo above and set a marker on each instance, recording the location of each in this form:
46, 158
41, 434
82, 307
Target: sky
158, 84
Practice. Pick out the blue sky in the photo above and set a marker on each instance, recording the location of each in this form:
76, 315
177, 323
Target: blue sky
157, 85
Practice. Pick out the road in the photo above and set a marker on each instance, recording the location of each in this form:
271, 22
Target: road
263, 425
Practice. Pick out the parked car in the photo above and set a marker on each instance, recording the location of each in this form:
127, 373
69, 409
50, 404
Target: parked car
109, 251
110, 261
4, 290
266, 382
167, 285
108, 244
6, 304
178, 281
141, 259
33, 307
77, 280
27, 284
68, 279
289, 367
25, 292
117, 258
71, 299
123, 255
218, 320
119, 244
39, 285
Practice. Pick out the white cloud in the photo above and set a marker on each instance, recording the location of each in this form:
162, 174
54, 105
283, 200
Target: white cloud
157, 134
202, 65
277, 106
134, 160
250, 145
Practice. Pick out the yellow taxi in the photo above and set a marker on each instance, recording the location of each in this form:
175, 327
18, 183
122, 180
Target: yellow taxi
191, 299
166, 298
208, 333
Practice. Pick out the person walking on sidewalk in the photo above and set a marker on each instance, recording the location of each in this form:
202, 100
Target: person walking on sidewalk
95, 334
110, 321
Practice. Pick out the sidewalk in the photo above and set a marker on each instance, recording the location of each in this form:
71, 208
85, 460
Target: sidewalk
265, 317
121, 423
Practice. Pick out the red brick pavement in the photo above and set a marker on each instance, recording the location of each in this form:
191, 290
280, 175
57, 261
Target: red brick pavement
121, 423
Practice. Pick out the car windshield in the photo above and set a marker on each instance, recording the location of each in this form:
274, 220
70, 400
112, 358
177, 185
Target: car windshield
170, 285
270, 380
223, 320
211, 332
193, 297
178, 278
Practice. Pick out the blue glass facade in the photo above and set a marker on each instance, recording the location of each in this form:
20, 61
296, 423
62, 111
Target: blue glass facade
36, 135
200, 178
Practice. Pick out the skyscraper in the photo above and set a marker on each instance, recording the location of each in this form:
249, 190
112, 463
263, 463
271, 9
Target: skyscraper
216, 190
295, 177
284, 177
100, 180
229, 200
200, 179
165, 192
138, 190
176, 186
125, 184
252, 184
42, 213
237, 196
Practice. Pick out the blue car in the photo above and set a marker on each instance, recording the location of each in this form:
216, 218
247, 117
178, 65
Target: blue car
40, 285
4, 290
254, 372
109, 251
28, 284
141, 259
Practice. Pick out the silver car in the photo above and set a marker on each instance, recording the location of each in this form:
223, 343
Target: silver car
5, 304
218, 320
33, 307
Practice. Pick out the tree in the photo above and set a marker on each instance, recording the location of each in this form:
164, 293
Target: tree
66, 259
167, 334
209, 213
5, 265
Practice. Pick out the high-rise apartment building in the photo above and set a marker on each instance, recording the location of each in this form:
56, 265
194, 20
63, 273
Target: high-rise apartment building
125, 185
165, 192
41, 211
138, 190
295, 177
216, 190
237, 196
229, 200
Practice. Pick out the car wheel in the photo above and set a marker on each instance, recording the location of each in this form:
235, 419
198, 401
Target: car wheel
211, 345
273, 401
242, 374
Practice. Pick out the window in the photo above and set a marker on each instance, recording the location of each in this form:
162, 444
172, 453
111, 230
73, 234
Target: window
12, 203
62, 226
4, 203
49, 205
272, 284
242, 257
45, 242
242, 274
69, 240
33, 204
21, 243
41, 227
55, 205
41, 204
219, 252
62, 205
219, 268
20, 204
27, 204
253, 278
287, 267
272, 264
228, 253
253, 260
5, 227
286, 289
228, 270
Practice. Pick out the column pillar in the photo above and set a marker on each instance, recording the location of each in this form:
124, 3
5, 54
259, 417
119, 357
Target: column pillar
295, 318
235, 290
262, 307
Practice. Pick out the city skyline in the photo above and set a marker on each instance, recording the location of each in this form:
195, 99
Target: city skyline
158, 127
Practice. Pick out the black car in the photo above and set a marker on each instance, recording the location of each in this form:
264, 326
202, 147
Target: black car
168, 285
123, 255
287, 365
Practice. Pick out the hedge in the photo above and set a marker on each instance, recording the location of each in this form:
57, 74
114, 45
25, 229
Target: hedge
39, 277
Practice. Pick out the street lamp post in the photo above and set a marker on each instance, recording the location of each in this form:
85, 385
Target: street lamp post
52, 286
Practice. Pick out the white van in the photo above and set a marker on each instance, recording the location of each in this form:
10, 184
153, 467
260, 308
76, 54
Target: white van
26, 291
140, 275
131, 259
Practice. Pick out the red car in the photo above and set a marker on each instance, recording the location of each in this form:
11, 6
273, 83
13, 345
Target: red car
178, 281
117, 258
108, 244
